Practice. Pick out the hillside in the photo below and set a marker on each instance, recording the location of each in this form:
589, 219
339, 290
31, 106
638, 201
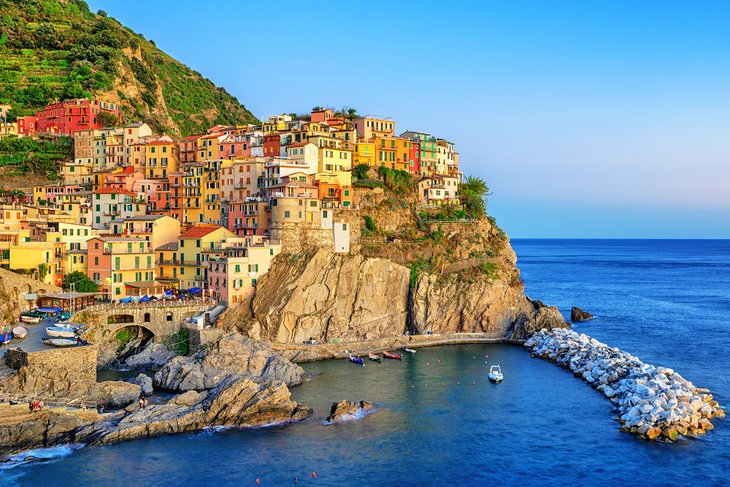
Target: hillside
58, 49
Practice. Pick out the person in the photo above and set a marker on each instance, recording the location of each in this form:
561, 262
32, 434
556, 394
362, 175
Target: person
30, 406
142, 401
145, 402
40, 405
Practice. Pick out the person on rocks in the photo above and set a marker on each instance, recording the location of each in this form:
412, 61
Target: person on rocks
142, 401
30, 406
40, 405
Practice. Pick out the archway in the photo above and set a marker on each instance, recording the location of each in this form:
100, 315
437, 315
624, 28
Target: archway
130, 340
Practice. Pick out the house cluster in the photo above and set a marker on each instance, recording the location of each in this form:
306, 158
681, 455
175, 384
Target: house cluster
62, 118
140, 213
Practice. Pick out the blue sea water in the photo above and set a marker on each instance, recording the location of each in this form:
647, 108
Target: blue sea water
440, 422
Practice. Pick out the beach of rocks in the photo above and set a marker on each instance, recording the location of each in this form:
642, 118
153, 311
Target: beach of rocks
654, 403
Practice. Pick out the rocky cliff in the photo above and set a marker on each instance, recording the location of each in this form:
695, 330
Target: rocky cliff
410, 275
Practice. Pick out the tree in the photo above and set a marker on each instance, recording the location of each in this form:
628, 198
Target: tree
360, 171
106, 119
317, 109
473, 194
80, 281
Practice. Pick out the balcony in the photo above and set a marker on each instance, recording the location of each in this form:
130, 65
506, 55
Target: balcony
125, 251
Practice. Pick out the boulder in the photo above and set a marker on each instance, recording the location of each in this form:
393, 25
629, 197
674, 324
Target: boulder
577, 315
145, 382
115, 394
153, 356
653, 433
233, 355
347, 410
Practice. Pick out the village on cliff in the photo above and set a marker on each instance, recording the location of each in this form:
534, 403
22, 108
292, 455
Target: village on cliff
143, 214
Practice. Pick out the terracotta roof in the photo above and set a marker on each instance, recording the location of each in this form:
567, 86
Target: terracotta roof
126, 170
200, 230
107, 190
300, 144
161, 142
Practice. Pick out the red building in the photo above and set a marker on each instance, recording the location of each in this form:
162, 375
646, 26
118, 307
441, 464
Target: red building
272, 145
26, 125
414, 157
70, 116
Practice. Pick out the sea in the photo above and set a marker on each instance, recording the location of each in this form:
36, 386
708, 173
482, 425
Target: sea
438, 421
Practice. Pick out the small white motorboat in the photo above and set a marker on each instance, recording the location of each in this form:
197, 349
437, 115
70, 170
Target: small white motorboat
60, 332
375, 357
30, 318
60, 342
19, 332
495, 374
409, 350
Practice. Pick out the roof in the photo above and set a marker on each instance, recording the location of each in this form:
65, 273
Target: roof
200, 230
126, 170
301, 144
168, 246
161, 142
107, 190
68, 295
143, 218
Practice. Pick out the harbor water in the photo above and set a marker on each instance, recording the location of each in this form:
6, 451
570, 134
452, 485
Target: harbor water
438, 421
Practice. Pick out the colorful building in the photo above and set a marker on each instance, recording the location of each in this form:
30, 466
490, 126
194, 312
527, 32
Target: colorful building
70, 116
122, 266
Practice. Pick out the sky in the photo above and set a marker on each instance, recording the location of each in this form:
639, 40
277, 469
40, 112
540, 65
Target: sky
600, 119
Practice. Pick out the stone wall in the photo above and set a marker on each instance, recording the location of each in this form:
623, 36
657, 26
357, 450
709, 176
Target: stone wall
197, 337
62, 372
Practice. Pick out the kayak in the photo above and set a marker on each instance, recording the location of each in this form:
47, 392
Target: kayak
374, 357
356, 360
390, 355
19, 332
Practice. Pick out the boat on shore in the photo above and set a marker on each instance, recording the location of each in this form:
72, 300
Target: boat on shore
375, 357
495, 374
392, 356
6, 337
356, 360
60, 332
409, 350
19, 332
59, 342
31, 317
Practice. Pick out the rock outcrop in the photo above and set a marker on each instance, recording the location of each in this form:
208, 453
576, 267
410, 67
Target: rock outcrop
233, 355
153, 356
145, 382
114, 394
577, 315
235, 401
652, 402
348, 411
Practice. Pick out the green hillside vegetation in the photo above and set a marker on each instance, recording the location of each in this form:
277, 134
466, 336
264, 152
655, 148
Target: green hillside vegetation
25, 155
53, 50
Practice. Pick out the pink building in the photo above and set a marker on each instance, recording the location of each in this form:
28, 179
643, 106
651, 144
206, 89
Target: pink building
127, 179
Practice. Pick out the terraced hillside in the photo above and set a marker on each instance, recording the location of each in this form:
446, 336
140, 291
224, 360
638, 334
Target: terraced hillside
58, 49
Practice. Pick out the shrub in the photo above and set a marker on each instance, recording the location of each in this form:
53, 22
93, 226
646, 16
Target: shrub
370, 223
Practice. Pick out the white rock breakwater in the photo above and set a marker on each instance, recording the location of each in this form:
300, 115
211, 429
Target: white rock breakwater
652, 402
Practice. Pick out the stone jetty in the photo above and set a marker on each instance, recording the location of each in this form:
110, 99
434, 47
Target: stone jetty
654, 403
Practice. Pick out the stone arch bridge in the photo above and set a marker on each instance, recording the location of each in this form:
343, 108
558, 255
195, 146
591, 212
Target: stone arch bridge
161, 318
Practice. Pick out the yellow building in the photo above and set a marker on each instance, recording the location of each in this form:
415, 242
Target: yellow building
161, 158
156, 229
8, 129
369, 127
168, 265
195, 246
364, 153
333, 156
43, 259
122, 266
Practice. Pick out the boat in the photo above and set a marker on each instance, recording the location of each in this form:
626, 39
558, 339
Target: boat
375, 357
31, 317
60, 332
390, 355
495, 374
19, 332
409, 350
65, 316
6, 337
356, 360
59, 342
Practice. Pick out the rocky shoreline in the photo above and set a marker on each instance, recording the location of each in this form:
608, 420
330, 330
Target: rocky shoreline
652, 402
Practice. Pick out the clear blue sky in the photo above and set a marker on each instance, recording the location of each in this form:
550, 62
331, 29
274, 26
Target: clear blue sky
587, 118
